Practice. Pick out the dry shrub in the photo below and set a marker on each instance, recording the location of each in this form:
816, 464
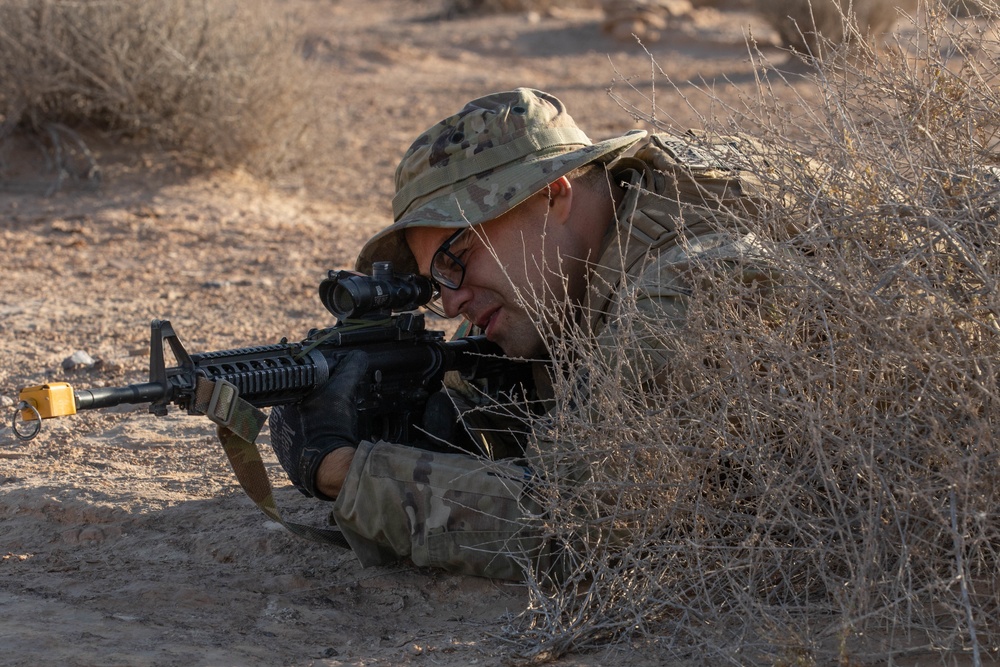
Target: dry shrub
211, 79
817, 480
966, 8
803, 24
506, 6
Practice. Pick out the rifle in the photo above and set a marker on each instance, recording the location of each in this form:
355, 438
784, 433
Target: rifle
406, 366
407, 363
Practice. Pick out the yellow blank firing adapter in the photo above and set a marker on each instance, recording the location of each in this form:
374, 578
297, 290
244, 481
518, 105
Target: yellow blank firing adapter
47, 400
55, 399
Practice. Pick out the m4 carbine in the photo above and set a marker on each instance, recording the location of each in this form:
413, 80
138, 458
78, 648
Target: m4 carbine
407, 364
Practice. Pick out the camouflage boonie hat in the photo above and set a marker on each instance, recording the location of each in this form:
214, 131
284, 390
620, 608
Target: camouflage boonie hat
483, 161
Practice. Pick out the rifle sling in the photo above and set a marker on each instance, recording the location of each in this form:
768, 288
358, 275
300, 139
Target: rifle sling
239, 424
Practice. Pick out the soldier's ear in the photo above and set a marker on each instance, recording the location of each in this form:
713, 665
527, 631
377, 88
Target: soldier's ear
560, 187
560, 193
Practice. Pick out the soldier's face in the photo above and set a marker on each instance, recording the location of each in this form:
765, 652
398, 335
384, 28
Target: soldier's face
512, 282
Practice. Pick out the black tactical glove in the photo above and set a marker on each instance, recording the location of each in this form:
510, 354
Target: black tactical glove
302, 434
442, 425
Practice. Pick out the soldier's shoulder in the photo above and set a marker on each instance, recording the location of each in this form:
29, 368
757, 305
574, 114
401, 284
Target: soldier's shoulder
701, 150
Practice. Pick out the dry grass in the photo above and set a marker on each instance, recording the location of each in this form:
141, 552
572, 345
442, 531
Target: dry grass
210, 79
817, 480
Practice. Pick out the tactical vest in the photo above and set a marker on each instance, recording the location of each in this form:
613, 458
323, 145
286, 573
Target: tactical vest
679, 186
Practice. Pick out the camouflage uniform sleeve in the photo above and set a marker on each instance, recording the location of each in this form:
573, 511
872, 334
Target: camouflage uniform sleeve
452, 511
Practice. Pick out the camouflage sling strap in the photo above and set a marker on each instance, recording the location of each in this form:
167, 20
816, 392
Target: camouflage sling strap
239, 424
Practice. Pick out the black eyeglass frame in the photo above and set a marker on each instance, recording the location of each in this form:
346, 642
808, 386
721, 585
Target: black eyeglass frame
444, 249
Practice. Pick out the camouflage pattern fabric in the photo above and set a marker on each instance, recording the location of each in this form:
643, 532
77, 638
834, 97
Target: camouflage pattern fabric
452, 511
688, 199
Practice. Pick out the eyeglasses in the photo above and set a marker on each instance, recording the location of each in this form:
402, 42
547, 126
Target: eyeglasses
447, 269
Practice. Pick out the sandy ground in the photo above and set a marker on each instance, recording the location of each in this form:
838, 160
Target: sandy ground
125, 538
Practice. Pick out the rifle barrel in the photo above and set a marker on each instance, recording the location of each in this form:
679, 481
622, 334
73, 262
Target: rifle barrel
106, 397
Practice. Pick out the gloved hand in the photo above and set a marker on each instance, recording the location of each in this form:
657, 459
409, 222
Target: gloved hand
302, 434
442, 425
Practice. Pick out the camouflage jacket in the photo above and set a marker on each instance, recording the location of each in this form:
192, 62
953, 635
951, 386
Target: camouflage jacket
686, 196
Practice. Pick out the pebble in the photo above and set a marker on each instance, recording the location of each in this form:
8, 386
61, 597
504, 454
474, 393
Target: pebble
113, 365
78, 360
90, 535
126, 617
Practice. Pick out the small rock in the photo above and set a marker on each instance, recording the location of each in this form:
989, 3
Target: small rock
6, 402
91, 535
78, 360
113, 365
126, 617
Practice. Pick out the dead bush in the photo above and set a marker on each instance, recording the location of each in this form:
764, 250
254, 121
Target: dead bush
816, 481
505, 6
802, 24
210, 79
